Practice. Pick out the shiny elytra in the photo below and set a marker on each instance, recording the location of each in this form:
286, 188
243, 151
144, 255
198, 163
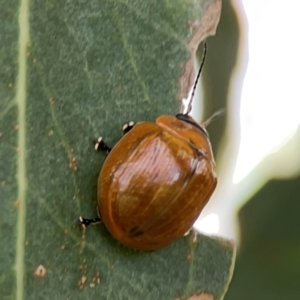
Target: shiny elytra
155, 182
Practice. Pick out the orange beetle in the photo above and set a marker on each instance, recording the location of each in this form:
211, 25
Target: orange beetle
155, 181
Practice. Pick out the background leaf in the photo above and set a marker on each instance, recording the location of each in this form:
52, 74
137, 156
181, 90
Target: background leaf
72, 71
268, 261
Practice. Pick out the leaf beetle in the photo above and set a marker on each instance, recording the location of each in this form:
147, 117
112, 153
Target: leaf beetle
156, 180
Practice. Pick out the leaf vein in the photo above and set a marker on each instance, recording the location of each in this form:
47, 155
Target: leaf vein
159, 27
129, 51
21, 160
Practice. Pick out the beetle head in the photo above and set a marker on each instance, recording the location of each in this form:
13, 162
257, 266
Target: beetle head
188, 119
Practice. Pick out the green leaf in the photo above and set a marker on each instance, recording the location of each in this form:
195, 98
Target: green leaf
71, 71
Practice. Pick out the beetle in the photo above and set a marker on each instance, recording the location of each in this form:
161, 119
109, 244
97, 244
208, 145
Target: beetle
156, 180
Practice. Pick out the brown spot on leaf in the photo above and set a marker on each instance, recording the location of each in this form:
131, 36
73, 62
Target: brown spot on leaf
81, 282
200, 31
40, 271
17, 203
200, 296
73, 163
96, 279
50, 133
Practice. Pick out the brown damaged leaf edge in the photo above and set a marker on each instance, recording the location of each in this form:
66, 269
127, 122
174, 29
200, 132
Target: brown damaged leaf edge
227, 245
201, 296
201, 31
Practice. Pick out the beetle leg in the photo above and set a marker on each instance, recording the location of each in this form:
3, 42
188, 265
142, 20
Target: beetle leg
194, 234
188, 232
127, 126
101, 145
86, 222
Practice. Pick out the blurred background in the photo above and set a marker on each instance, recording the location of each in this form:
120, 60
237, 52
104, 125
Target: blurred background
252, 71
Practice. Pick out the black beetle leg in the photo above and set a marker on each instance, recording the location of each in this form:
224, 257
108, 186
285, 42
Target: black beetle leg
86, 222
127, 126
101, 145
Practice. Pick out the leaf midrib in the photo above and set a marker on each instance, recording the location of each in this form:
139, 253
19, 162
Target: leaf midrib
21, 94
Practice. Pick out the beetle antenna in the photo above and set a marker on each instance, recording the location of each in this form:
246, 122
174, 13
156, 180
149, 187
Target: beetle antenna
197, 78
213, 117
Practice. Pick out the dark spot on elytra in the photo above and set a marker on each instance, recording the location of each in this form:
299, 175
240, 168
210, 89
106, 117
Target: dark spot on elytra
135, 232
